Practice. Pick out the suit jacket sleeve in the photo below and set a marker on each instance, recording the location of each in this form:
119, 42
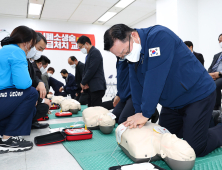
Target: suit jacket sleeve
201, 59
70, 85
94, 61
212, 64
46, 82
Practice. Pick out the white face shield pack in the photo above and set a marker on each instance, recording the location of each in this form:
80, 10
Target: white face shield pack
134, 55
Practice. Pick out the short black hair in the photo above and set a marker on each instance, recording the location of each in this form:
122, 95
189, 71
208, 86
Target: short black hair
44, 60
51, 69
40, 37
188, 43
219, 36
83, 39
118, 31
64, 71
73, 58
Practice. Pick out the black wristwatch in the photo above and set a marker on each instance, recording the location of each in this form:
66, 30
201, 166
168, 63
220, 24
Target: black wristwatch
220, 74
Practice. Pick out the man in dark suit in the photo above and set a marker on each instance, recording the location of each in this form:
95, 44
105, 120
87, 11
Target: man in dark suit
45, 78
43, 104
70, 87
199, 56
40, 65
215, 71
93, 76
79, 68
56, 85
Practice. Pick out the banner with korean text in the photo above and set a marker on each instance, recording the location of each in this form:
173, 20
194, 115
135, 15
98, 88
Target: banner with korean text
64, 41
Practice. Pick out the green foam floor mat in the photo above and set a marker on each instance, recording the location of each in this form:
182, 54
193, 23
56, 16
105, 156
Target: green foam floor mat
67, 125
79, 114
96, 153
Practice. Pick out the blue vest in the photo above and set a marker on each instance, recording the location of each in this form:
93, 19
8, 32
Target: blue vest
175, 78
123, 85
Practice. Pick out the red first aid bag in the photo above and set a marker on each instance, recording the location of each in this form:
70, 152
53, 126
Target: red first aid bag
63, 114
68, 134
54, 107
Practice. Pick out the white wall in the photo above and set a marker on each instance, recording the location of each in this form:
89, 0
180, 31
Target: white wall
59, 59
166, 14
210, 27
148, 22
188, 21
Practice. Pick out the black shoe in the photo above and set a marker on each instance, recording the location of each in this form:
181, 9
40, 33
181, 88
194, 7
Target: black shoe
38, 125
217, 107
15, 144
216, 116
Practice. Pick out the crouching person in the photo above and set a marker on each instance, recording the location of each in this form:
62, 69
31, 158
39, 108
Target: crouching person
17, 97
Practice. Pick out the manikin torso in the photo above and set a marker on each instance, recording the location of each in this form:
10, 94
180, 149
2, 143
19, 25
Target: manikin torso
141, 144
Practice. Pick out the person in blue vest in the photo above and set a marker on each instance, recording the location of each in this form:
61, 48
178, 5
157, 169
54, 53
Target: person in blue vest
71, 86
122, 103
17, 96
163, 70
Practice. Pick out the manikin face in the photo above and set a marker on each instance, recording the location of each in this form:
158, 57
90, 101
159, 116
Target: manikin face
175, 148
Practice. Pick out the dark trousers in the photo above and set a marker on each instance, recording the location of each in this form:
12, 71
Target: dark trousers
123, 110
82, 98
108, 104
192, 124
219, 87
17, 111
64, 94
41, 111
95, 98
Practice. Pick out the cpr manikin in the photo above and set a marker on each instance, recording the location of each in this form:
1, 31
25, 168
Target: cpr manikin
99, 118
49, 96
141, 144
70, 105
57, 99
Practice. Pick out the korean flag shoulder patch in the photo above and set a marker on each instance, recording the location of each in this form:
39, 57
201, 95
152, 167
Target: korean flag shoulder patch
154, 52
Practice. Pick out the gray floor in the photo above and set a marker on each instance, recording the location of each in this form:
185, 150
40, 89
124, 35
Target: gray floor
51, 157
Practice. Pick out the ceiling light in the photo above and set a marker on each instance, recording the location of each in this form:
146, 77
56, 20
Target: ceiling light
123, 3
107, 16
35, 9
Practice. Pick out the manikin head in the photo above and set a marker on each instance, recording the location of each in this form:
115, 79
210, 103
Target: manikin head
98, 118
70, 105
